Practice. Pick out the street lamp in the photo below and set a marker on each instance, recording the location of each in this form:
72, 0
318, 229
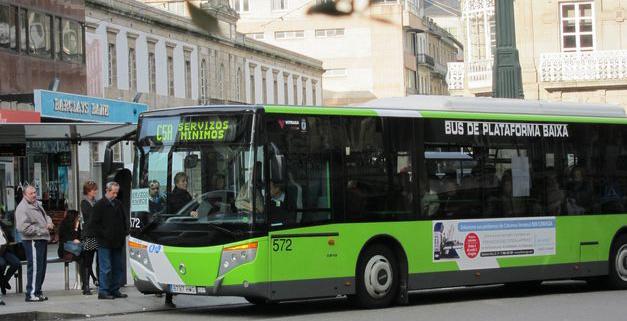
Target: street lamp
507, 78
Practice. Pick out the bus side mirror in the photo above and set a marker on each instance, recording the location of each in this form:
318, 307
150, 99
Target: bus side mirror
123, 177
107, 164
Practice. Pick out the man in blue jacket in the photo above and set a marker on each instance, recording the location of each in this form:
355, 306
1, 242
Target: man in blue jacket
110, 226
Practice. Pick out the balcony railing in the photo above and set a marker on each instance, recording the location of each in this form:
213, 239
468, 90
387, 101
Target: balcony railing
440, 69
424, 59
583, 66
455, 76
409, 5
479, 74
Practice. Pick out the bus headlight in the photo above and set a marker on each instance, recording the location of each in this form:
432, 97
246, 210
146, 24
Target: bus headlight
237, 255
139, 253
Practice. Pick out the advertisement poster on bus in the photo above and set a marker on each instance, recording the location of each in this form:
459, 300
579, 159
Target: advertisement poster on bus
478, 243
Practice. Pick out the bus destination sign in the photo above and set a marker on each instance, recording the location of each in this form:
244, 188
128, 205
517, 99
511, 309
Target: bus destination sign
197, 129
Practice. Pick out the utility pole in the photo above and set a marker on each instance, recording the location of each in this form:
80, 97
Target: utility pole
506, 75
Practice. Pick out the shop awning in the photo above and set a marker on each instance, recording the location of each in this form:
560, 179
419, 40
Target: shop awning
15, 133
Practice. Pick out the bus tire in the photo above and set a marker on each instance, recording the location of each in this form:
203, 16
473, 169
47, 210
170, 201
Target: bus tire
377, 277
617, 279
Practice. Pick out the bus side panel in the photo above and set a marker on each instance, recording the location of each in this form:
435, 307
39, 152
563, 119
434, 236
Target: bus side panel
571, 232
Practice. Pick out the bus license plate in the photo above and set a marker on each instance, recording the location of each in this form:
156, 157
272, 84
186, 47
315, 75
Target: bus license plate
186, 289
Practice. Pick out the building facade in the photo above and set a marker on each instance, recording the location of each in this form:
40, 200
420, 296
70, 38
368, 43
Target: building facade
389, 49
41, 46
569, 50
171, 62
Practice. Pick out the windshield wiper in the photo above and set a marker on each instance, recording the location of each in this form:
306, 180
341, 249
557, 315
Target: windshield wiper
222, 229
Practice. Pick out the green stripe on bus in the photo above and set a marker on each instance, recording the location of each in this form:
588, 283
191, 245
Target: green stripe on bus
320, 110
526, 117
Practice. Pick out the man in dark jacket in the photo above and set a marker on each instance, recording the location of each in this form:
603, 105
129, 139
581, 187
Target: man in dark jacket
112, 227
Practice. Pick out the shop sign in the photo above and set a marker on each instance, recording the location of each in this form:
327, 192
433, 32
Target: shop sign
8, 116
77, 107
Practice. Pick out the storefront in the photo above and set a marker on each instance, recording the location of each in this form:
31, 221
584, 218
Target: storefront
12, 146
48, 154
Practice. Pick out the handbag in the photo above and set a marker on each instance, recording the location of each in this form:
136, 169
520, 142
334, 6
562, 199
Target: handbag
74, 248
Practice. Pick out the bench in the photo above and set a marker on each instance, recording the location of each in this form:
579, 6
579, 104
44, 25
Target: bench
66, 273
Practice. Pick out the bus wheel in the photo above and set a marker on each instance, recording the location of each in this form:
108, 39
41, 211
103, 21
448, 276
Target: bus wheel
618, 264
377, 277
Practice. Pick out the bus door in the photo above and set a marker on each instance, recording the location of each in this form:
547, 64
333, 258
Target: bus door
302, 265
303, 250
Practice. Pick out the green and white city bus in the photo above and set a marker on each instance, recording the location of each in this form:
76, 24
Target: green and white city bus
293, 202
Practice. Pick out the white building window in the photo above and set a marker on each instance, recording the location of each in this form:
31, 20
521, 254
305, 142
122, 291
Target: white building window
176, 7
296, 34
295, 89
279, 5
221, 87
152, 73
325, 33
264, 86
170, 76
255, 35
285, 90
203, 81
132, 69
577, 21
239, 84
253, 97
411, 78
112, 65
482, 35
241, 5
188, 79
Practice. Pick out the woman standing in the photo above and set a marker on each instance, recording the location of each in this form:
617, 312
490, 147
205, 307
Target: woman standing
90, 190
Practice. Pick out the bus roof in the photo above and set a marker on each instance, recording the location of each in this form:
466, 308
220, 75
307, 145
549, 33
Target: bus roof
173, 111
413, 106
494, 105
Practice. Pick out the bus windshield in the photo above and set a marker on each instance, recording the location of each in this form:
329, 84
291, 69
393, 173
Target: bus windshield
195, 183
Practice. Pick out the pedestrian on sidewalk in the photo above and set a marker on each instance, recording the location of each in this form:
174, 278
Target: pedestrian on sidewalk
34, 225
70, 245
90, 244
9, 263
112, 227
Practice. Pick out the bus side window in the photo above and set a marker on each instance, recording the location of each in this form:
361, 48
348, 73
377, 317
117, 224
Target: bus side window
300, 167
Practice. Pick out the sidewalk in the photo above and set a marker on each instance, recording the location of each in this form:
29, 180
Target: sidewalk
73, 304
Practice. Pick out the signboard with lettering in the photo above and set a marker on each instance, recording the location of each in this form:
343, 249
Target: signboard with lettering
77, 107
194, 129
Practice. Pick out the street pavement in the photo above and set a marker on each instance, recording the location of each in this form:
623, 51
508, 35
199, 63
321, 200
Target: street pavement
64, 304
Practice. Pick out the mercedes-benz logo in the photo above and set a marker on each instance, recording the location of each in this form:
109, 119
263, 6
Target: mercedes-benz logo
182, 268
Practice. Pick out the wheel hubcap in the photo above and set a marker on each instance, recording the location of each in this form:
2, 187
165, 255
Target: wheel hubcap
378, 276
621, 262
